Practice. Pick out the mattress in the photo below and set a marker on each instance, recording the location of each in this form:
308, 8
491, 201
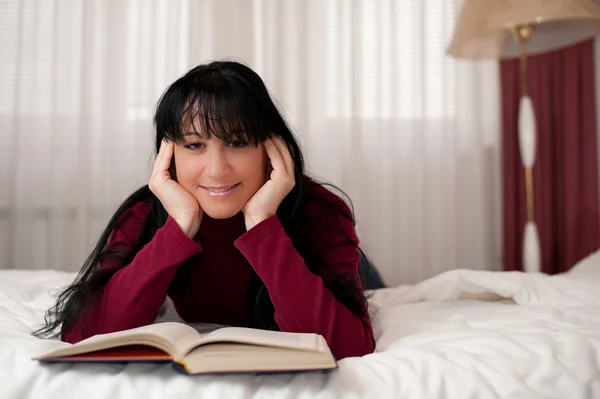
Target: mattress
461, 334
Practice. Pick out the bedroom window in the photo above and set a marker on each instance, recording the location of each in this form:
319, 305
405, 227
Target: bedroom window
39, 53
391, 55
384, 59
150, 63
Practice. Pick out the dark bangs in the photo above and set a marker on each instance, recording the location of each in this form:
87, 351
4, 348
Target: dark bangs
217, 104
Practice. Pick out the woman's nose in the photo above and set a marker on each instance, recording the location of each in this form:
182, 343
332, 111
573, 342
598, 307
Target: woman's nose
218, 165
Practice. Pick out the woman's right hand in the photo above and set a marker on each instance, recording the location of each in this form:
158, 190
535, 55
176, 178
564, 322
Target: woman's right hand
178, 202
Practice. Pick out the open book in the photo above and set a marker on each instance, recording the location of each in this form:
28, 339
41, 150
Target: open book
225, 350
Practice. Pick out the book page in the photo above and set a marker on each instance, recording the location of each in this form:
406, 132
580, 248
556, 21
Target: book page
302, 341
173, 338
228, 357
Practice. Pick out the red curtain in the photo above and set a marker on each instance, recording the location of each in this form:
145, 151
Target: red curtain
565, 175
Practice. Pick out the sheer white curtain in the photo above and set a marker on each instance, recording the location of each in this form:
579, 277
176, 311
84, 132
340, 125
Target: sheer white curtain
409, 134
597, 76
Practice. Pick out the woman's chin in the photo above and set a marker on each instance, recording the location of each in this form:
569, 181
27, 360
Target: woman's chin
222, 212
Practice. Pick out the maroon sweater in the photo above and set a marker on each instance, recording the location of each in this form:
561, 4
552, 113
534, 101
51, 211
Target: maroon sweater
212, 286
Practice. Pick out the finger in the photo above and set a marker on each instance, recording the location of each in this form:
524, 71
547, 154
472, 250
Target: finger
163, 159
161, 152
167, 155
273, 153
285, 154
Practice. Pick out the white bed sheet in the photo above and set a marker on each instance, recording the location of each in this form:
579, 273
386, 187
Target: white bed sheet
462, 334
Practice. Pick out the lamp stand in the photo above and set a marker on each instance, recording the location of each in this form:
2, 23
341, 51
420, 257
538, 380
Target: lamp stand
527, 145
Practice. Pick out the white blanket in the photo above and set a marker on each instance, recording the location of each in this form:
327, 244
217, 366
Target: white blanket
462, 334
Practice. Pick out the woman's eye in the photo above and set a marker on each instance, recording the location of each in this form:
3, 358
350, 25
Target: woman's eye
194, 146
238, 144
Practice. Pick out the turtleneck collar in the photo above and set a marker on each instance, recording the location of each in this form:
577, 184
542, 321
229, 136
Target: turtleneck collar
233, 226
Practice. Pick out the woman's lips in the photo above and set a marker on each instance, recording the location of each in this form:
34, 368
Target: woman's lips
219, 191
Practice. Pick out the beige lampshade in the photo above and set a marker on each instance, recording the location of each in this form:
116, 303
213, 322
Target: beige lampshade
483, 26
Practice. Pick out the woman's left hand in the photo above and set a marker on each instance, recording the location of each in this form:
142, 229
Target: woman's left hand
267, 199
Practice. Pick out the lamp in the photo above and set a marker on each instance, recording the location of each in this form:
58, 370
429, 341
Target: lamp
511, 28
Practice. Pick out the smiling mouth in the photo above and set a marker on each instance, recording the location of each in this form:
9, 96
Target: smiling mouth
220, 191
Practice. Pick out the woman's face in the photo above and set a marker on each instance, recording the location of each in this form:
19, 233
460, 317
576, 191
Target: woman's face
221, 176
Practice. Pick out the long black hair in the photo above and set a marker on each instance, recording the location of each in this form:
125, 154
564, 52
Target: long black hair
226, 99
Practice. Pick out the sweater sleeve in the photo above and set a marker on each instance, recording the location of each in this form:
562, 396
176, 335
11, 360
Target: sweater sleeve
301, 301
134, 294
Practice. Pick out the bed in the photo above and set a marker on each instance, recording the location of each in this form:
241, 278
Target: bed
461, 334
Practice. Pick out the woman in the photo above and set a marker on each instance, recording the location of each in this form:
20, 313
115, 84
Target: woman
229, 228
